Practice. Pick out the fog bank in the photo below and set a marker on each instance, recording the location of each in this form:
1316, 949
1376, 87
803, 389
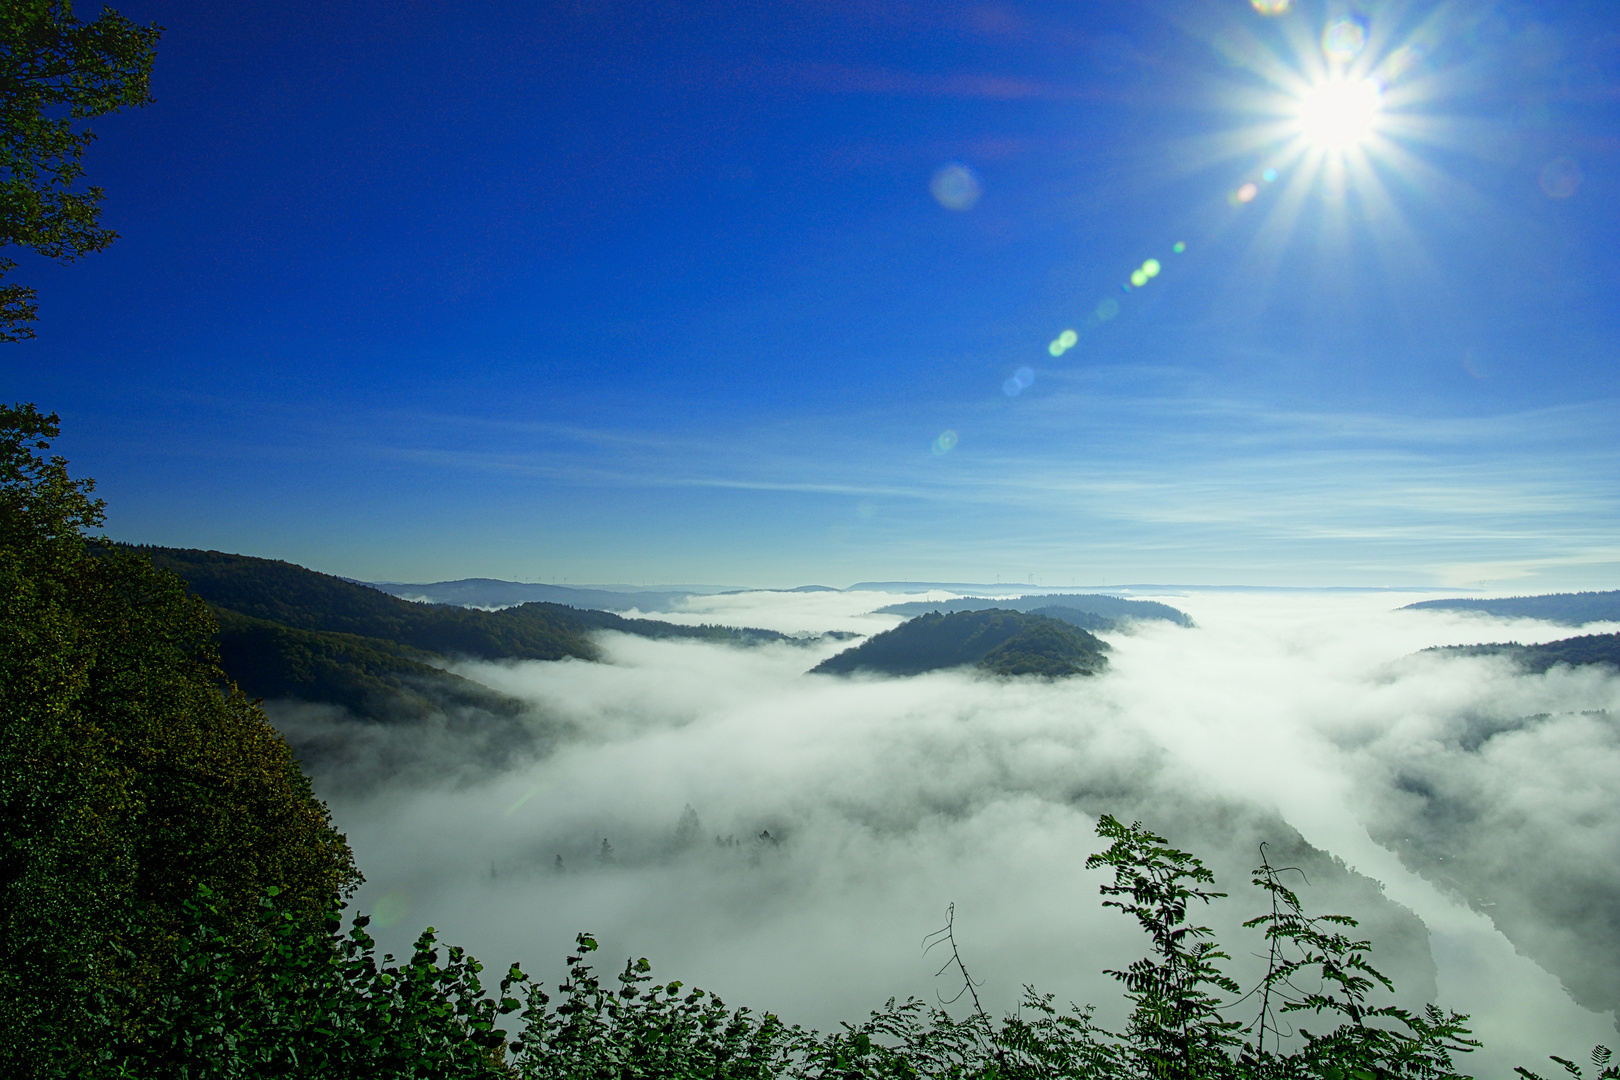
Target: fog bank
787, 840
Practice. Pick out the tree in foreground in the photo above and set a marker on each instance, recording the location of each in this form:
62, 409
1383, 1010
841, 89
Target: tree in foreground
131, 772
57, 72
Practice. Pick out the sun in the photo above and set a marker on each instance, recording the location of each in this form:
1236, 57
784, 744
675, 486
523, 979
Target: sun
1339, 114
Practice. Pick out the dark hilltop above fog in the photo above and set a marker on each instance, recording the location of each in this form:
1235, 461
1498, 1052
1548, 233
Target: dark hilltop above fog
1535, 659
1090, 611
289, 632
1568, 609
1003, 642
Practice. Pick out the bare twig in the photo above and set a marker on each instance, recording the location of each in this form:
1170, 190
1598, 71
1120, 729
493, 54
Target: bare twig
946, 935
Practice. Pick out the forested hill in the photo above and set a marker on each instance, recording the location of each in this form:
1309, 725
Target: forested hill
285, 593
1569, 609
1089, 611
1575, 651
1004, 642
290, 632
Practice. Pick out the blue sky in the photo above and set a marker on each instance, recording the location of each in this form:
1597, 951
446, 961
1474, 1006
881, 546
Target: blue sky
639, 292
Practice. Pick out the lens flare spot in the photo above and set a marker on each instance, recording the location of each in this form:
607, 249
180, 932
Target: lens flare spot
945, 443
955, 187
1151, 268
1139, 278
1246, 193
1269, 176
1023, 377
1561, 177
1107, 309
1056, 347
1339, 114
1179, 248
390, 908
1012, 388
1272, 7
1069, 338
1401, 61
1343, 41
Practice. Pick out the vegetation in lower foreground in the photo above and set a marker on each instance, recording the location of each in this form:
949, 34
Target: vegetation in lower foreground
297, 1002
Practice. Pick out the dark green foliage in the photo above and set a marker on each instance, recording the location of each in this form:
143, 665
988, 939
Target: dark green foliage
1535, 659
125, 773
1105, 612
295, 1000
1601, 1056
368, 676
646, 1029
1176, 1028
1004, 642
1371, 1040
1049, 648
1571, 609
292, 999
1085, 620
55, 73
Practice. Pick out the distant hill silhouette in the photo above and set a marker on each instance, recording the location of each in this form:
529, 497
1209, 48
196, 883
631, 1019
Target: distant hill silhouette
1569, 609
1004, 642
1535, 659
494, 593
1086, 610
286, 631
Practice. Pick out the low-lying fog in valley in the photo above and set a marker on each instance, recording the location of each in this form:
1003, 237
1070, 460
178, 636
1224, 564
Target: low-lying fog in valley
787, 840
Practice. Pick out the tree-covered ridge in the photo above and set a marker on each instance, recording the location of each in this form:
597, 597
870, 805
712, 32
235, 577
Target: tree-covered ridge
1003, 642
1535, 659
289, 632
1569, 609
1105, 612
288, 594
371, 678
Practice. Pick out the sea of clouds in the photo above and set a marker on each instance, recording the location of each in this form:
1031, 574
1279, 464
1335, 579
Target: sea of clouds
788, 840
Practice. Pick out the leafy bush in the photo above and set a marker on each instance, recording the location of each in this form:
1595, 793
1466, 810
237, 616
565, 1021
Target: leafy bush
296, 1000
126, 773
290, 1000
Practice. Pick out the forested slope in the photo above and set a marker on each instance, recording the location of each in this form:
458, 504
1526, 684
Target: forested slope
1004, 642
1575, 652
1087, 610
1570, 609
289, 632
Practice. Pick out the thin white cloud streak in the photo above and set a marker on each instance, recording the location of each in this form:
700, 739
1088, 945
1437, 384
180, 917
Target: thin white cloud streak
891, 798
1233, 462
1122, 473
